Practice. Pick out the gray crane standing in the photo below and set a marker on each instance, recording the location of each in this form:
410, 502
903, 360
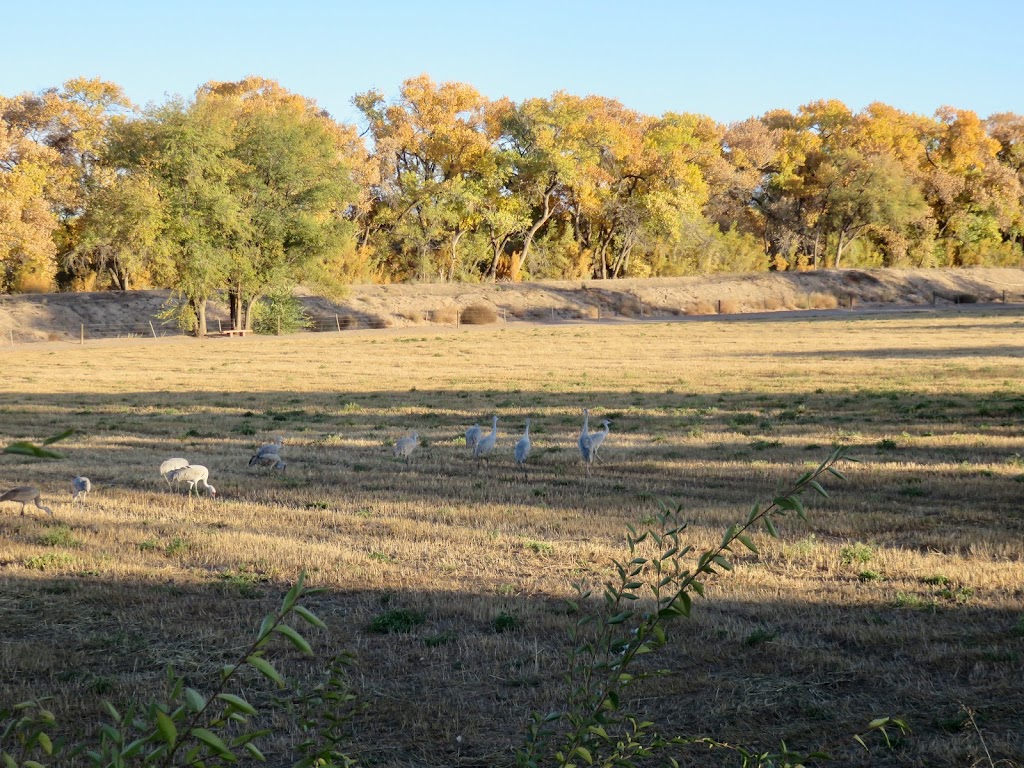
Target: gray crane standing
522, 449
25, 494
80, 488
405, 446
196, 476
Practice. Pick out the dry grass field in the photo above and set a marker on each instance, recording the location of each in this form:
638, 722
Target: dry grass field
903, 595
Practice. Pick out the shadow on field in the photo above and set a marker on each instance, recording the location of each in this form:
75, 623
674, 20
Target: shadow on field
904, 353
954, 460
456, 686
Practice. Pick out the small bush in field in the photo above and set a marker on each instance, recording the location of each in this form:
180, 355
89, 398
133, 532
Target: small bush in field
729, 306
445, 315
822, 301
701, 308
479, 314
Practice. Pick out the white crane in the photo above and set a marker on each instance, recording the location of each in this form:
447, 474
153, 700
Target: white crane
80, 488
596, 438
274, 447
473, 435
25, 494
405, 446
486, 444
196, 476
268, 460
522, 450
586, 447
170, 465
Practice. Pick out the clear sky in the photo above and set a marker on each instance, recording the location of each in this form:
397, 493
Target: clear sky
729, 60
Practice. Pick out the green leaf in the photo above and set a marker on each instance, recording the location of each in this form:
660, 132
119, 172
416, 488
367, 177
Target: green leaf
238, 703
253, 750
9, 762
723, 562
585, 754
817, 487
309, 617
194, 699
25, 448
727, 537
57, 438
293, 595
770, 527
134, 748
266, 669
754, 511
45, 743
620, 617
213, 741
266, 625
112, 711
166, 726
296, 639
32, 764
746, 542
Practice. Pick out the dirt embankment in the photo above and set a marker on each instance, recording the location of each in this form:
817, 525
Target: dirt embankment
41, 317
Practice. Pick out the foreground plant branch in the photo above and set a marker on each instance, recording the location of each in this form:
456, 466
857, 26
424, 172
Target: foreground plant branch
594, 728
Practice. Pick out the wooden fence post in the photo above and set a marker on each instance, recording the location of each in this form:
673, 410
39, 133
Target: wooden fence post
278, 325
337, 321
719, 306
12, 337
81, 338
220, 328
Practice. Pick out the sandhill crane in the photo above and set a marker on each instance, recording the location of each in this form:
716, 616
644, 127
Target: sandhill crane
196, 476
405, 446
473, 435
274, 447
585, 444
596, 438
26, 494
268, 460
170, 465
522, 450
80, 488
486, 444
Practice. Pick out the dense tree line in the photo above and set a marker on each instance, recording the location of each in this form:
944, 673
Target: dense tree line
246, 189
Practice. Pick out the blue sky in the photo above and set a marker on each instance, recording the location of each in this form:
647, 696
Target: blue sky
727, 60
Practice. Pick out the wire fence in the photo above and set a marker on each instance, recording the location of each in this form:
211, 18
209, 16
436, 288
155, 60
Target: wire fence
483, 314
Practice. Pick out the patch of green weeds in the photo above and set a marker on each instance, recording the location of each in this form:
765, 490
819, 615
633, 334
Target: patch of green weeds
396, 621
856, 553
59, 536
49, 562
505, 622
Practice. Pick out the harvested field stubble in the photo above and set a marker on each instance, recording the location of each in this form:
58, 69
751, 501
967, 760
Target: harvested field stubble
901, 595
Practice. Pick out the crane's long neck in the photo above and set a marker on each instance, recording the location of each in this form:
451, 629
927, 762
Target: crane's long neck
527, 432
494, 426
586, 421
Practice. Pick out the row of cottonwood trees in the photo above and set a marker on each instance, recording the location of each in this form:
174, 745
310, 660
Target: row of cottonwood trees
247, 188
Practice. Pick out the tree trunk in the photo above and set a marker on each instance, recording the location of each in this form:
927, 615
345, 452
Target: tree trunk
532, 231
454, 257
498, 246
235, 307
199, 305
839, 250
247, 307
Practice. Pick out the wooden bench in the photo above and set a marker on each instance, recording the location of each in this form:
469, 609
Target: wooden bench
236, 332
